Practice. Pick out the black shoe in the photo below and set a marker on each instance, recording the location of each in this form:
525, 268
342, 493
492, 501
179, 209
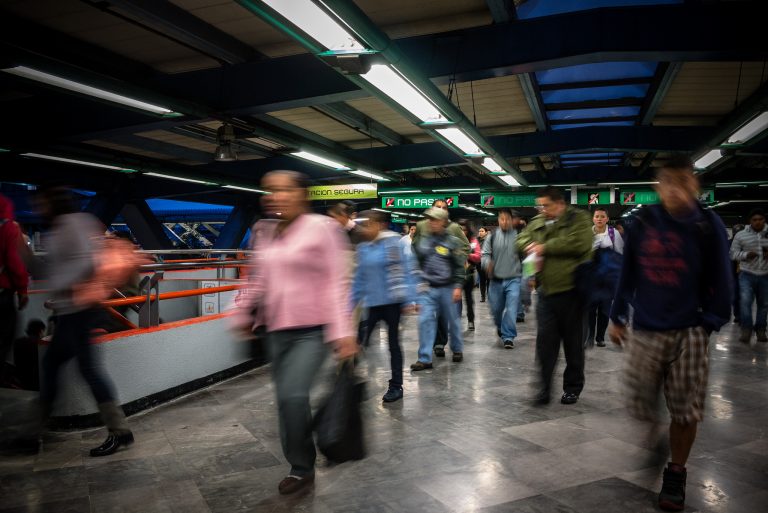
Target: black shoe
420, 366
509, 344
600, 343
482, 300
761, 335
457, 357
672, 495
293, 484
112, 444
440, 352
520, 318
569, 398
541, 399
471, 326
393, 394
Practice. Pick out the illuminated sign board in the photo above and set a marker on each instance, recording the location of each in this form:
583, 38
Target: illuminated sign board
423, 201
342, 192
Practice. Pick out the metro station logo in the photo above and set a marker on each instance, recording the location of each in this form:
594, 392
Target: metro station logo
488, 201
449, 201
390, 202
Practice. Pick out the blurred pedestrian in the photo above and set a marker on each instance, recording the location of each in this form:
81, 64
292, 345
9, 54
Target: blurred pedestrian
470, 267
441, 258
385, 284
297, 290
482, 233
14, 280
501, 260
608, 247
453, 229
677, 278
560, 237
750, 250
73, 246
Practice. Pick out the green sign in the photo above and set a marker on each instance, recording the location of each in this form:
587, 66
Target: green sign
342, 192
508, 200
399, 220
421, 202
587, 197
650, 197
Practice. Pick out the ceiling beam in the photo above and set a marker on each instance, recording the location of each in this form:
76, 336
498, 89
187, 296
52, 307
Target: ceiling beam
174, 150
353, 118
595, 83
178, 24
595, 104
533, 98
665, 76
502, 11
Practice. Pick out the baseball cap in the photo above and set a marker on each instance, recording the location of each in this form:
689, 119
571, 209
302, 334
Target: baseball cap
436, 213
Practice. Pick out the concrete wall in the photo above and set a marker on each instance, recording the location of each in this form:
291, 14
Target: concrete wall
152, 361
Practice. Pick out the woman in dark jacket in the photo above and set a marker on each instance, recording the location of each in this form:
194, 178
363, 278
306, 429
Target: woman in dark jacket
473, 262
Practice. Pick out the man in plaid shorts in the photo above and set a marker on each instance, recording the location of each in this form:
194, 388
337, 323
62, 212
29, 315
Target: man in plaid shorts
677, 278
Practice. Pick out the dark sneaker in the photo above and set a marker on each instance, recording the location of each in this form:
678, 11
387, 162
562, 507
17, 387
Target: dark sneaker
569, 398
482, 300
672, 495
420, 366
471, 326
393, 394
293, 484
113, 442
509, 344
746, 335
761, 336
600, 343
440, 352
520, 318
457, 357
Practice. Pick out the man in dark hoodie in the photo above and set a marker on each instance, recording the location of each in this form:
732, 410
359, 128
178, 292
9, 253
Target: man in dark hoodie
677, 277
13, 279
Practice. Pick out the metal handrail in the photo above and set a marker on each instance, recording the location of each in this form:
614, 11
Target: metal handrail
136, 300
188, 265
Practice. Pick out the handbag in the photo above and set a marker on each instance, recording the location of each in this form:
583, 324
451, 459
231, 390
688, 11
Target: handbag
338, 424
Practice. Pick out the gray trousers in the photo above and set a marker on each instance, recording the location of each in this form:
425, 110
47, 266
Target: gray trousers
297, 355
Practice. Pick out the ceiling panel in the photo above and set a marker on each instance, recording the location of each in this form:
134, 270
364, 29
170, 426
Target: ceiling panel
179, 140
703, 91
314, 121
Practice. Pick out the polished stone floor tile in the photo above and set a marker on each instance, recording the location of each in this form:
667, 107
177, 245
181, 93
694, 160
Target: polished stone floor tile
465, 438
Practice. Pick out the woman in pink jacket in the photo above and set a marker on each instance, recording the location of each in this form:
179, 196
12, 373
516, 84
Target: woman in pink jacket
473, 262
297, 290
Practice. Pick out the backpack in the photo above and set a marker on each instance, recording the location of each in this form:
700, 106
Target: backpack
114, 263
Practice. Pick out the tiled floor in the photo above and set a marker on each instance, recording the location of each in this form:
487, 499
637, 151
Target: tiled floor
465, 438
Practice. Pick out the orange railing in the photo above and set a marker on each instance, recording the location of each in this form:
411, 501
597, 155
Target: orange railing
137, 300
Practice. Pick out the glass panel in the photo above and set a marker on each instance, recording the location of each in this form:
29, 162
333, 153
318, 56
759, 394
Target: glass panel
538, 8
595, 93
582, 125
604, 112
597, 71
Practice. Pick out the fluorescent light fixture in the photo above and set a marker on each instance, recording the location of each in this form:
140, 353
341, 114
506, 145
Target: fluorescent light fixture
456, 190
373, 176
708, 159
749, 130
727, 186
491, 165
78, 162
558, 185
387, 80
508, 180
626, 183
461, 140
159, 175
721, 204
237, 187
3, 150
310, 18
408, 191
321, 160
71, 85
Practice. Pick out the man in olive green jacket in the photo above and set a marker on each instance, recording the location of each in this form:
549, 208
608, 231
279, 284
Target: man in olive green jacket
561, 237
422, 230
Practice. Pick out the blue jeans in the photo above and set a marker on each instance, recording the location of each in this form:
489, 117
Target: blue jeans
505, 297
753, 288
438, 300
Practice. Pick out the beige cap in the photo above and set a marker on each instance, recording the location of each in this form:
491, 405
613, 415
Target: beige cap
436, 213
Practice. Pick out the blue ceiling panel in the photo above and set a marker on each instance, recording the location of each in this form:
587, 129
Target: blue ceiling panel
539, 8
598, 71
604, 123
595, 93
603, 112
596, 161
582, 155
169, 207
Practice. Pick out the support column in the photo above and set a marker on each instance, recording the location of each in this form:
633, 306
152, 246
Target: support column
105, 206
240, 219
146, 228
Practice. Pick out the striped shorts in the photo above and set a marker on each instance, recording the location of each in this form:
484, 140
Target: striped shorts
678, 360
